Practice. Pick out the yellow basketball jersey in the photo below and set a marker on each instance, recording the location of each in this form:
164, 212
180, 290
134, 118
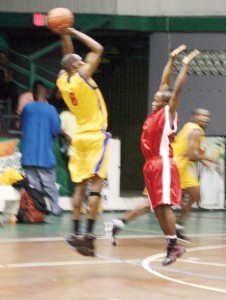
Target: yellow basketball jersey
85, 101
180, 144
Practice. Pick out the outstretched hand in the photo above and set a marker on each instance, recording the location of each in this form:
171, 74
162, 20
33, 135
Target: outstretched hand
177, 51
187, 59
64, 30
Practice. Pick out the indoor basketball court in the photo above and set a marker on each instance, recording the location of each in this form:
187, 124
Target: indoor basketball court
37, 264
137, 37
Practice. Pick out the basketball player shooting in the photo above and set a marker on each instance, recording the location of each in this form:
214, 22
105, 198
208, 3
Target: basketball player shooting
91, 140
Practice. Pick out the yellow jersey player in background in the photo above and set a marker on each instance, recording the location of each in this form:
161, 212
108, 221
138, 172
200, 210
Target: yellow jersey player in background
91, 140
186, 153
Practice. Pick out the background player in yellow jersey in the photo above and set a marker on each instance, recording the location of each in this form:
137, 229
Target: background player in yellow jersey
91, 141
187, 151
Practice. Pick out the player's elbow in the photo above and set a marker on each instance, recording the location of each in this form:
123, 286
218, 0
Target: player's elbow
97, 49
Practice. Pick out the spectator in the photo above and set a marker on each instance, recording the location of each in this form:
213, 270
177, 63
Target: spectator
56, 100
8, 89
24, 98
40, 123
68, 120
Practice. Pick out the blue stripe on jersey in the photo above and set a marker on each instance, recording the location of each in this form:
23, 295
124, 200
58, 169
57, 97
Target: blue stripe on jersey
95, 87
106, 141
89, 83
101, 109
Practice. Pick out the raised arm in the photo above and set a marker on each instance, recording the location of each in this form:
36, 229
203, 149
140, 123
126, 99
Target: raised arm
167, 72
179, 83
92, 58
67, 44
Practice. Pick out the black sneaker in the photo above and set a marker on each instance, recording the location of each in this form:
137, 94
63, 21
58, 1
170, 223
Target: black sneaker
181, 236
86, 246
173, 252
73, 239
81, 243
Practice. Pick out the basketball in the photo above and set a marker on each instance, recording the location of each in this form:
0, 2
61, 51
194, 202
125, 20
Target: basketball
59, 18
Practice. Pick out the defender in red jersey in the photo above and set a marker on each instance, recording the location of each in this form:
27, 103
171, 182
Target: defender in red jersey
160, 171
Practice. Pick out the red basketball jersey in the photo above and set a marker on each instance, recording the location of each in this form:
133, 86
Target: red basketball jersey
160, 171
157, 134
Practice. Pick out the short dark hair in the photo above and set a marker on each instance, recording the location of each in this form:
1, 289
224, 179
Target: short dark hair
68, 59
198, 111
36, 85
166, 94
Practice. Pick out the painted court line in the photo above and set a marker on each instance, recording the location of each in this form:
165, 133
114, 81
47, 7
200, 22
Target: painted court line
190, 273
146, 265
103, 237
69, 263
53, 239
203, 263
110, 260
31, 240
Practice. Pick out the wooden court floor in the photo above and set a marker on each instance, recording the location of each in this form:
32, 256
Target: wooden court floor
36, 263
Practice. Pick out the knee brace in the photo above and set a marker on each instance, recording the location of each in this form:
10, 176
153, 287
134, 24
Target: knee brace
94, 194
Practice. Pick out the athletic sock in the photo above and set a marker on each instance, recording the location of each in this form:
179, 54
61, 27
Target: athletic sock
171, 240
90, 224
124, 221
76, 226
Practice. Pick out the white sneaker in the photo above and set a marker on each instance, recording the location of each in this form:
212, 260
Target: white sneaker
118, 223
111, 228
109, 231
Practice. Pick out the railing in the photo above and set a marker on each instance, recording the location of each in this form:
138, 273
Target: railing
27, 66
26, 71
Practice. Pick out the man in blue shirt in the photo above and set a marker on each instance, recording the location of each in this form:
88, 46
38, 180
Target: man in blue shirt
40, 123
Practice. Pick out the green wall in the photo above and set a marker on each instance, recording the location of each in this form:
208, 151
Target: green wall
88, 22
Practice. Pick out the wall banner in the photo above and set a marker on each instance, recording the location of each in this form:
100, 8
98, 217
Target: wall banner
212, 179
10, 156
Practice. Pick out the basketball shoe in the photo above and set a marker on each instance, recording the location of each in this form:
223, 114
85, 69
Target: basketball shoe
83, 244
112, 228
173, 252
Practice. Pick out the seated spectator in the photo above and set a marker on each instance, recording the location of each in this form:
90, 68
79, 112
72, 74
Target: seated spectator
8, 89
